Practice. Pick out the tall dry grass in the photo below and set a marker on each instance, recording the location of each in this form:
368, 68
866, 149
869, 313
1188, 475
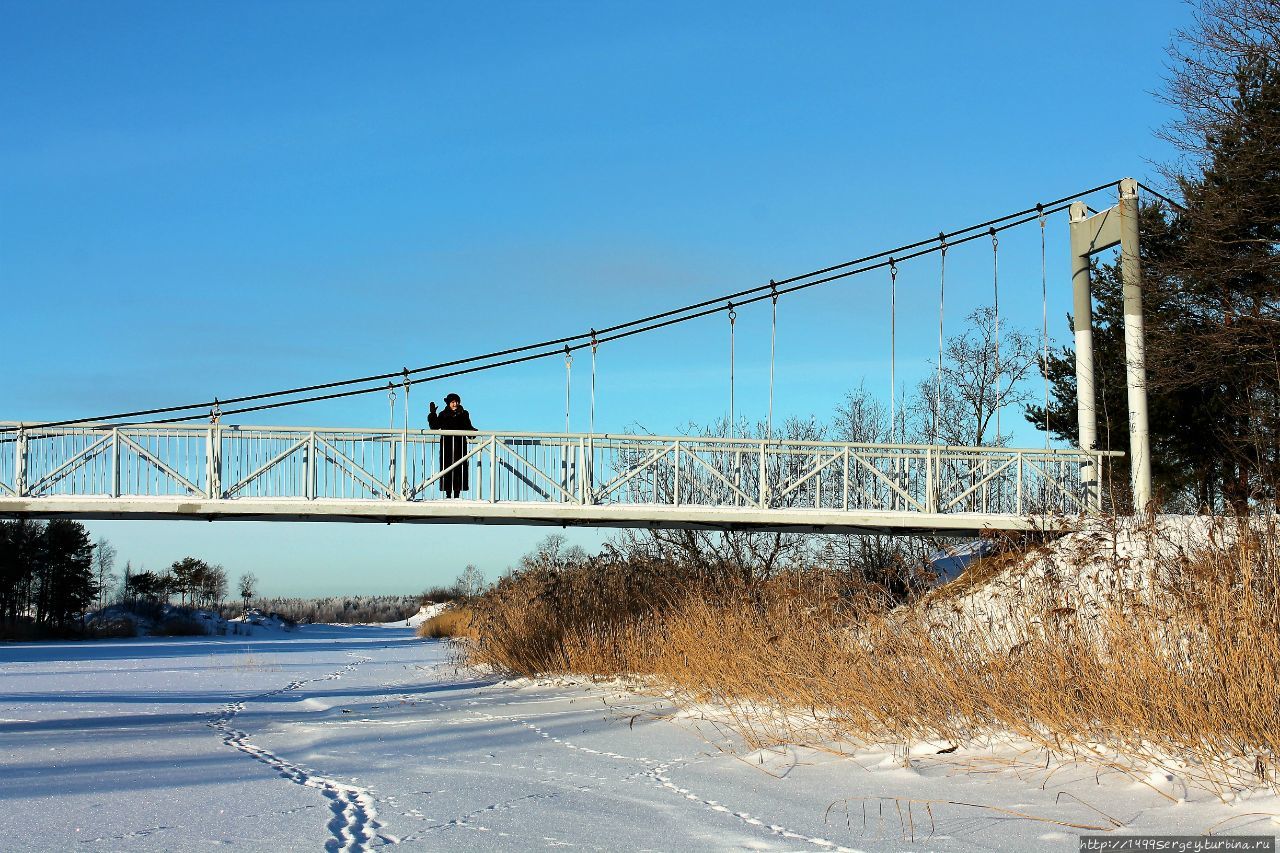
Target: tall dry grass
452, 623
1184, 674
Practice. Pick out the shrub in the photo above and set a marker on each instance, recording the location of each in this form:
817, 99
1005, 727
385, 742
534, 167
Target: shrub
181, 625
111, 628
22, 629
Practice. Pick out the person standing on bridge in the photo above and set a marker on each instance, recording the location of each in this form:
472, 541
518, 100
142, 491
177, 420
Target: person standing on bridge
456, 479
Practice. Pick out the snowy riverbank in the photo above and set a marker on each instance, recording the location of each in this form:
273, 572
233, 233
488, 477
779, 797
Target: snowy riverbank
354, 737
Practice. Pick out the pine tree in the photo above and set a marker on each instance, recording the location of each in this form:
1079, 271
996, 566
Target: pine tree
67, 584
1225, 280
1211, 279
21, 553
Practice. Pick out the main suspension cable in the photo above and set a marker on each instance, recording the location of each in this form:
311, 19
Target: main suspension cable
599, 340
615, 332
1175, 205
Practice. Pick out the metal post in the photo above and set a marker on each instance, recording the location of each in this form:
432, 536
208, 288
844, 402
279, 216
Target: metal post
845, 478
764, 478
20, 464
115, 462
493, 469
1017, 504
675, 497
930, 487
1134, 346
311, 465
1082, 311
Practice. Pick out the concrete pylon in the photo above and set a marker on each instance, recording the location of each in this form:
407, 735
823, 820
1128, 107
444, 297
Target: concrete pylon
1115, 226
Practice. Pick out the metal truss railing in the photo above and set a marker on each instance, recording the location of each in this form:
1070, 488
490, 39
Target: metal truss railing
244, 463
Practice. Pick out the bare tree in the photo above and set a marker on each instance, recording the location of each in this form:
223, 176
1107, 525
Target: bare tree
213, 586
983, 373
104, 563
1203, 80
887, 566
471, 582
861, 418
554, 552
745, 554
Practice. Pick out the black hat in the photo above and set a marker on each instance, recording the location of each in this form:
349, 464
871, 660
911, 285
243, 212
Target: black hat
450, 398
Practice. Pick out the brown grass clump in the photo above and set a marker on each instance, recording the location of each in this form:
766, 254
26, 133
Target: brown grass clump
610, 617
1182, 673
454, 622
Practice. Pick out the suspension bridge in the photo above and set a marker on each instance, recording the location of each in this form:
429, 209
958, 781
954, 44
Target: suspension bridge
165, 467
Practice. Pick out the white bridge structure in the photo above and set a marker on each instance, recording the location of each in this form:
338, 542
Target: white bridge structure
167, 470
382, 475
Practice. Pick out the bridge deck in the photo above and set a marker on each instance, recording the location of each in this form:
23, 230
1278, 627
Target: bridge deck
525, 513
287, 473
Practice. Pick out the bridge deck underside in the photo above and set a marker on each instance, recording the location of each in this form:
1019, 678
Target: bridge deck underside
533, 514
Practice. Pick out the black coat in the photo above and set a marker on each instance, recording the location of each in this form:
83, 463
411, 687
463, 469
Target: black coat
453, 447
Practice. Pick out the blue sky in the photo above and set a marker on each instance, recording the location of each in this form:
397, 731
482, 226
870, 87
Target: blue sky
202, 199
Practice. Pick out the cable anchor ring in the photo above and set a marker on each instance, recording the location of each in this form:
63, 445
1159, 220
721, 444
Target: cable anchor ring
215, 413
733, 315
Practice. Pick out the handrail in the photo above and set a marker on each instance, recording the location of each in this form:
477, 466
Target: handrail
237, 465
599, 436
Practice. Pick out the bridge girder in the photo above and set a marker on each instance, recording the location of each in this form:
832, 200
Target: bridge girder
534, 514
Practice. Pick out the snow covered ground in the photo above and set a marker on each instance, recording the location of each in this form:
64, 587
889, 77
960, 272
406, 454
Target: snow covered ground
355, 737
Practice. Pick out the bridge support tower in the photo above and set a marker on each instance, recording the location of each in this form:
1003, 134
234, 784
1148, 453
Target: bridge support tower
1115, 226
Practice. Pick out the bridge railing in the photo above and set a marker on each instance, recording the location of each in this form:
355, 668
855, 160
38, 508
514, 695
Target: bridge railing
244, 463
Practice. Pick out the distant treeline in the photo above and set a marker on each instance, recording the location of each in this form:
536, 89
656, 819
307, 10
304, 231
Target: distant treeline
339, 608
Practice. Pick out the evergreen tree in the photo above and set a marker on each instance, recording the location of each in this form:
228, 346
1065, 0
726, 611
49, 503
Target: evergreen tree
66, 580
21, 554
189, 576
1225, 281
1211, 280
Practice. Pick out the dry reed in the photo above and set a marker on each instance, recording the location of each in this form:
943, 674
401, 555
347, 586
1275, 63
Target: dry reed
452, 623
1180, 670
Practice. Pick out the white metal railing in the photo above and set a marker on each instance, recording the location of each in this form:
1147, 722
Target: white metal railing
244, 463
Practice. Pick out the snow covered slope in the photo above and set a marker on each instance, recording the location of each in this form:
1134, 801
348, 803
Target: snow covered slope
357, 737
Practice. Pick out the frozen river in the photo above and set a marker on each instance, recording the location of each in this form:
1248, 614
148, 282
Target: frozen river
360, 737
